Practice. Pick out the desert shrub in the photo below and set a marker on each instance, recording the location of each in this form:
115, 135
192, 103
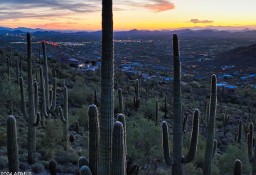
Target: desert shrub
37, 167
143, 141
233, 152
52, 138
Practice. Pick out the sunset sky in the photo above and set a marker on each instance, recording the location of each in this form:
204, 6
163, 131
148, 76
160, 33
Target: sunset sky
129, 14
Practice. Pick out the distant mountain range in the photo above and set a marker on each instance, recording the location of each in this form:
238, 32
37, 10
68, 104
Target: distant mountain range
142, 33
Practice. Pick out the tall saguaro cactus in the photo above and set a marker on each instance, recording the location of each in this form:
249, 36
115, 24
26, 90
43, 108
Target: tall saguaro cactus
177, 160
12, 147
209, 149
29, 114
107, 89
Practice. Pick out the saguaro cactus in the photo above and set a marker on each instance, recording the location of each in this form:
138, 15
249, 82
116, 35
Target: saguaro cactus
30, 114
53, 167
137, 94
177, 160
252, 158
64, 118
193, 143
93, 139
118, 161
12, 147
157, 112
238, 167
209, 149
121, 102
107, 89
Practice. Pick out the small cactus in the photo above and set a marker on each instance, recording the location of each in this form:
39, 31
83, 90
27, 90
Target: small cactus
85, 170
53, 167
83, 161
118, 157
12, 146
93, 138
238, 167
157, 112
71, 138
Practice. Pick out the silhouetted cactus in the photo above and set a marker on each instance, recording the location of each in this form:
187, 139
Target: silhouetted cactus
53, 167
107, 90
120, 101
77, 127
12, 146
46, 76
225, 121
118, 154
239, 133
238, 167
71, 138
64, 117
178, 159
137, 94
83, 161
251, 155
30, 114
93, 139
157, 112
165, 107
193, 142
209, 149
85, 170
121, 118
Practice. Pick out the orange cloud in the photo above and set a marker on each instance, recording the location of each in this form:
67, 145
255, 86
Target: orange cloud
159, 6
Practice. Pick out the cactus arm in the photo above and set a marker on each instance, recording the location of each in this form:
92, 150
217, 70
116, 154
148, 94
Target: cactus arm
118, 155
169, 160
120, 100
36, 96
37, 119
193, 141
93, 138
43, 95
250, 141
12, 146
61, 114
214, 148
23, 103
238, 167
53, 101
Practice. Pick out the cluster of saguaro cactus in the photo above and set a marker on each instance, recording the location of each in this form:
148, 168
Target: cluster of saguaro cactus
12, 147
47, 102
211, 143
251, 153
137, 94
118, 166
177, 160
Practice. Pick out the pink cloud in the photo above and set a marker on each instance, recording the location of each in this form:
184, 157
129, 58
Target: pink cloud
160, 5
